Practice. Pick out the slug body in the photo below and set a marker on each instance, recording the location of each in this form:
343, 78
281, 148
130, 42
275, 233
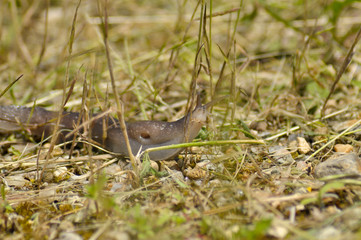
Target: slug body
142, 134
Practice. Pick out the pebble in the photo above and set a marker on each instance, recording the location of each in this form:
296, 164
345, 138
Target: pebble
154, 165
69, 236
259, 126
48, 194
329, 232
302, 165
15, 181
340, 164
281, 154
112, 169
278, 231
178, 175
116, 235
345, 148
303, 146
340, 126
207, 164
61, 174
195, 173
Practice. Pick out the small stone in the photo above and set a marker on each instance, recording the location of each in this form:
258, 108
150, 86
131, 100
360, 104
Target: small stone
293, 146
272, 170
321, 132
293, 137
173, 165
278, 231
57, 151
61, 174
256, 149
66, 225
120, 187
332, 103
112, 169
303, 146
340, 126
258, 125
48, 194
31, 176
69, 236
207, 165
214, 182
281, 154
302, 166
48, 176
343, 148
116, 235
351, 219
15, 181
329, 232
178, 175
198, 182
195, 173
341, 164
154, 165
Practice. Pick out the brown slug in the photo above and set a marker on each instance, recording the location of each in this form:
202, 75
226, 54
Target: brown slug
142, 134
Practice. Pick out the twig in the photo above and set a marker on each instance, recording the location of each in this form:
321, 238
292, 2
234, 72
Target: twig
115, 92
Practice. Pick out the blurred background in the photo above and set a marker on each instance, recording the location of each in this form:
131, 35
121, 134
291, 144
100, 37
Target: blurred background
255, 51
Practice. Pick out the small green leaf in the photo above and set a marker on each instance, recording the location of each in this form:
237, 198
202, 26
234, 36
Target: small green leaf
245, 130
307, 201
356, 83
329, 186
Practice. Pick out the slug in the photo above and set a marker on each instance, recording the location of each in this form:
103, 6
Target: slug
142, 134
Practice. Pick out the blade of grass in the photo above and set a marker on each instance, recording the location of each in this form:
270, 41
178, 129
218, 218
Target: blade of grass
10, 85
208, 143
343, 68
43, 45
333, 139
